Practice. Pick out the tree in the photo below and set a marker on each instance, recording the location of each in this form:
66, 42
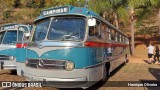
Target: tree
42, 3
17, 3
112, 10
31, 3
143, 7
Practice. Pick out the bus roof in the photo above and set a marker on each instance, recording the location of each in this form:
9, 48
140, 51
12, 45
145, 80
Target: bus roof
66, 10
13, 26
72, 10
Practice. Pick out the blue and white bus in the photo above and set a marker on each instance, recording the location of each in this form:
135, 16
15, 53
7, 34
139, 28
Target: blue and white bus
10, 34
74, 45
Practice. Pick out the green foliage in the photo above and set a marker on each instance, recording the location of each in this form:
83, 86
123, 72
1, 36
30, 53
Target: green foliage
7, 14
17, 4
31, 3
123, 15
99, 6
41, 3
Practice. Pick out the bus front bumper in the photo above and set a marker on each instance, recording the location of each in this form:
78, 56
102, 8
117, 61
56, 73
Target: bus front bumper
77, 78
8, 64
59, 82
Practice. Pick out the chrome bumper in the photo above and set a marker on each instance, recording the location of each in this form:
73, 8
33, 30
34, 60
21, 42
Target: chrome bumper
79, 82
7, 64
32, 78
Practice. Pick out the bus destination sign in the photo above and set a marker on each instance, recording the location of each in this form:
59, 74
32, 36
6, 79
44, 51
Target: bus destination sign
57, 10
8, 27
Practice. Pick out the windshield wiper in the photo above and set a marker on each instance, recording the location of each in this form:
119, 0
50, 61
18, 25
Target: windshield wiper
69, 36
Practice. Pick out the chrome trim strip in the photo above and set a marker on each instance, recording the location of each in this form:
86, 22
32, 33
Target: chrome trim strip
41, 63
101, 63
59, 79
54, 65
45, 59
57, 44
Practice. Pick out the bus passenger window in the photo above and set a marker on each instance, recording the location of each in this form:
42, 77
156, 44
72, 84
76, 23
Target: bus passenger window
95, 30
122, 39
103, 31
91, 31
113, 34
109, 31
118, 37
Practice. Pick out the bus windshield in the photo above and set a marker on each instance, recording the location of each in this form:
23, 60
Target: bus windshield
60, 29
67, 29
1, 36
41, 30
11, 37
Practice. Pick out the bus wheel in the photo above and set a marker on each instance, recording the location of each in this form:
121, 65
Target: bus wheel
126, 59
105, 73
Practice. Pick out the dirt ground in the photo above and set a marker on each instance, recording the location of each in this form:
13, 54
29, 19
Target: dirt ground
137, 69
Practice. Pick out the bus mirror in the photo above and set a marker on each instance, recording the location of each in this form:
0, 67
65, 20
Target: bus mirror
91, 22
26, 34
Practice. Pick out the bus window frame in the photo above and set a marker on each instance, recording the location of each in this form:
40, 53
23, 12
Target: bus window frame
97, 30
3, 37
23, 32
51, 18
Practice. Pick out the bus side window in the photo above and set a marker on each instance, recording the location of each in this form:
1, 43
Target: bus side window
109, 31
118, 37
91, 31
95, 30
113, 34
103, 31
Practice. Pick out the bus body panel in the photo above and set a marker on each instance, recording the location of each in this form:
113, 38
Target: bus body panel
20, 60
79, 56
8, 51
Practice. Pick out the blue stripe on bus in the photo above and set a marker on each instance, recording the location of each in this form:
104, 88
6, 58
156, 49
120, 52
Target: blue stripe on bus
21, 55
82, 57
10, 52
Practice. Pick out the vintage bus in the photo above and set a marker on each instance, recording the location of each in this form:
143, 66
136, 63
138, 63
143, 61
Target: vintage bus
74, 45
10, 34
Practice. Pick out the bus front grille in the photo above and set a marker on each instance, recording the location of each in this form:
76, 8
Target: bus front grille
4, 57
46, 63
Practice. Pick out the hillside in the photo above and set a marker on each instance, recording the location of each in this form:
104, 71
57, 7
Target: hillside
141, 45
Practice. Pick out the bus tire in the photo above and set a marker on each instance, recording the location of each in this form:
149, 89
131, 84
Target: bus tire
105, 72
126, 59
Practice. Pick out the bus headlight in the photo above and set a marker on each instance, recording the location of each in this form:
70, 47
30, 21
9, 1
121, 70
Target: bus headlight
69, 65
11, 58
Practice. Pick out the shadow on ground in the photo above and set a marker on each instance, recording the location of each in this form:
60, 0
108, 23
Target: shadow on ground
153, 84
146, 61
